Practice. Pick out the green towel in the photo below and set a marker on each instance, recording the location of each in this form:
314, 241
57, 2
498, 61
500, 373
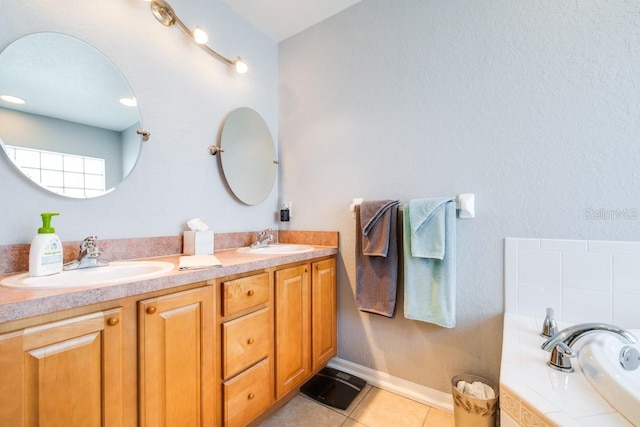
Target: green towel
429, 260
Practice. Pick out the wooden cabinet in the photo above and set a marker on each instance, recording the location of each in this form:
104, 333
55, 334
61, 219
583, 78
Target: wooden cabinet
306, 332
248, 394
64, 373
246, 349
292, 323
227, 353
324, 331
176, 367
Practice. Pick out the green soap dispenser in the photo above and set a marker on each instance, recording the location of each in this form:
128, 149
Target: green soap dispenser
45, 253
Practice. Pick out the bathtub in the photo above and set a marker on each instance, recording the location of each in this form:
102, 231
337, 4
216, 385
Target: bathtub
532, 394
598, 359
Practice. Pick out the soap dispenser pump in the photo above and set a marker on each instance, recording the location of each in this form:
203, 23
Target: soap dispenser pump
45, 253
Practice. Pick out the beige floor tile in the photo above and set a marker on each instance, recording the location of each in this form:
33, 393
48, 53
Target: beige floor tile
352, 423
303, 412
381, 408
438, 418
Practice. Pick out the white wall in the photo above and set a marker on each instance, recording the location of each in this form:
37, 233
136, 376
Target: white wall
582, 280
184, 96
531, 105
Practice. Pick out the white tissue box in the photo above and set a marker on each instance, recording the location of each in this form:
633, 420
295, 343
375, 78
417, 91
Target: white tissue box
198, 243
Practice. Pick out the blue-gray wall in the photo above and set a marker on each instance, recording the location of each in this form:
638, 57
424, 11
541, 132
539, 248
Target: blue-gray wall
533, 106
49, 134
184, 96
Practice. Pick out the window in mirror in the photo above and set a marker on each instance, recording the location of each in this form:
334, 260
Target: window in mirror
62, 173
70, 94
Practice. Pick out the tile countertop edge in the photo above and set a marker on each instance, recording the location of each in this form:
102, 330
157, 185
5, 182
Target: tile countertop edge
532, 392
16, 304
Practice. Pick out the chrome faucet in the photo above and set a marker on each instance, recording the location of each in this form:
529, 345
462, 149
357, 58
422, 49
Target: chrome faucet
88, 257
264, 237
561, 344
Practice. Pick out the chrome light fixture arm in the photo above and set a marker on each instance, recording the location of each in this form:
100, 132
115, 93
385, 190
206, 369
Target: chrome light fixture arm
164, 14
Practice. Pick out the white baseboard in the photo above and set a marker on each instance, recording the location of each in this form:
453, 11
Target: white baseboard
413, 391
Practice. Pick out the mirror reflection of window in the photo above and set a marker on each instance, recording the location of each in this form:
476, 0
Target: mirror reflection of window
62, 173
73, 101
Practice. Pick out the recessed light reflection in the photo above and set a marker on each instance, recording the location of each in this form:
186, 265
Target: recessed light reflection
129, 102
12, 99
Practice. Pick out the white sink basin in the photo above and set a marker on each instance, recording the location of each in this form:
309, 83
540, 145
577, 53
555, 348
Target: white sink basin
277, 249
115, 272
599, 362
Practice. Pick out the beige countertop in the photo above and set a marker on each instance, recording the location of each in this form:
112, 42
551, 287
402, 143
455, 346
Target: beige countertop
18, 304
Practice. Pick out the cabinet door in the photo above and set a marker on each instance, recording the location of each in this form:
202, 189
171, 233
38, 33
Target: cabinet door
176, 338
292, 324
323, 312
66, 373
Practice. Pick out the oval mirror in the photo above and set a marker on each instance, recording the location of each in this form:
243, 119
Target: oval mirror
249, 157
68, 118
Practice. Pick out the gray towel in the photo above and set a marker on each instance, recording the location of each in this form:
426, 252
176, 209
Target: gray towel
377, 274
375, 219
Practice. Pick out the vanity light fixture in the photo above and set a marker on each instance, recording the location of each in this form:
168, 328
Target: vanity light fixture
165, 15
12, 99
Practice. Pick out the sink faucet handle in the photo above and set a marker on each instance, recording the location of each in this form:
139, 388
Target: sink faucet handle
549, 327
88, 242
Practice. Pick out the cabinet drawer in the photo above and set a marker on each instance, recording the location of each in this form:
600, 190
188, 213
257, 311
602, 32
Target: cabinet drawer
247, 395
243, 293
245, 341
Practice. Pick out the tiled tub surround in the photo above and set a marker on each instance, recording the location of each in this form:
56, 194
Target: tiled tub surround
584, 281
17, 304
532, 394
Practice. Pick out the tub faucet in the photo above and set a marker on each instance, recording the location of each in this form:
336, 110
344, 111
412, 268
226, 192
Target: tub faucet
88, 257
264, 237
561, 344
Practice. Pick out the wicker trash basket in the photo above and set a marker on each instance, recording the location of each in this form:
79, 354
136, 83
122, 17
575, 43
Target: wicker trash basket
471, 412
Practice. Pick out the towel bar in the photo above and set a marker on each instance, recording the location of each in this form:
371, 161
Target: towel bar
465, 204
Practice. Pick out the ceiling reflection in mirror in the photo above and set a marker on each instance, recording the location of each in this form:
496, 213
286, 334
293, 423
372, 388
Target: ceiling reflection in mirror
74, 134
249, 157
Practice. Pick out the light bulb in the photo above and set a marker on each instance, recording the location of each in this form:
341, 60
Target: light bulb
200, 35
12, 99
241, 66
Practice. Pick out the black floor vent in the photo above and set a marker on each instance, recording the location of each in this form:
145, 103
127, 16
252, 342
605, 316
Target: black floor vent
334, 388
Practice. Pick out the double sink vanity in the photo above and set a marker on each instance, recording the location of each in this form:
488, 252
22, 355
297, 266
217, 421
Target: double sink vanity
216, 346
143, 343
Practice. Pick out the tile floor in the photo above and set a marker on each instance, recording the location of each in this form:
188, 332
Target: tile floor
373, 407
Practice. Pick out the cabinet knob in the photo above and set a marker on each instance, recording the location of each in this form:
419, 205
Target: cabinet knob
113, 321
250, 341
306, 269
251, 396
151, 310
251, 292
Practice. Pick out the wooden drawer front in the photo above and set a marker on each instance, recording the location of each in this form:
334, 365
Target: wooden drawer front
243, 293
245, 341
247, 395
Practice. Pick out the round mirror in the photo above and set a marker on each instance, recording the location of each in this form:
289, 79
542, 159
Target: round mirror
68, 118
249, 158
